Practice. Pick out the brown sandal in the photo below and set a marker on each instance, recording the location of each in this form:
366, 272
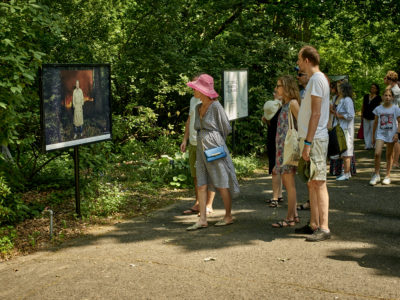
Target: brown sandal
284, 223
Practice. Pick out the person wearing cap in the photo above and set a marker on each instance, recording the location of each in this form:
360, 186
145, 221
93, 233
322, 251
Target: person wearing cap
272, 109
212, 125
191, 137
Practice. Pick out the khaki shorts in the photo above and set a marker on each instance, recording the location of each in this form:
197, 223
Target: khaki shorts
318, 153
192, 159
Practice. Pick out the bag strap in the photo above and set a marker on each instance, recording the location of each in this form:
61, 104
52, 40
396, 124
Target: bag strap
290, 119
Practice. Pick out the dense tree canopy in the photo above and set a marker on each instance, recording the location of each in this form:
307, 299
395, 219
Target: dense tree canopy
154, 47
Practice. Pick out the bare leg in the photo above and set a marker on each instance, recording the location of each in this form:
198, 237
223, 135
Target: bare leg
314, 211
346, 161
226, 198
210, 200
276, 187
396, 154
321, 191
202, 192
289, 183
389, 157
378, 153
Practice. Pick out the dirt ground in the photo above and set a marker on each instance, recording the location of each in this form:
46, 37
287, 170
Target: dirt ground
154, 257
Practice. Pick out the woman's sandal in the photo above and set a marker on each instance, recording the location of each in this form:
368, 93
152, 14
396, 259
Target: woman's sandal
303, 206
274, 203
280, 199
284, 223
297, 219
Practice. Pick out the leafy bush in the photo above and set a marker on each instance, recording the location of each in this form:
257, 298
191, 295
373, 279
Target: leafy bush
102, 199
245, 165
7, 236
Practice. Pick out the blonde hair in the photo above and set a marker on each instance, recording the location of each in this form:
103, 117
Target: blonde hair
290, 87
392, 76
388, 89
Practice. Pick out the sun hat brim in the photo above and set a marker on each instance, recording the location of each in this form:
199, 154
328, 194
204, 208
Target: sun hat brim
209, 93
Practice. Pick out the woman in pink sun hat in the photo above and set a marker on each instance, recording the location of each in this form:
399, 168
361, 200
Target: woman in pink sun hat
212, 125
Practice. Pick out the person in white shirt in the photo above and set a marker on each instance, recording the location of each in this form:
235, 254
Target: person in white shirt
391, 82
313, 132
344, 115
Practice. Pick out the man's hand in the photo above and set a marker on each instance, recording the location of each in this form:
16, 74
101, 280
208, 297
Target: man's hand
396, 138
306, 152
183, 146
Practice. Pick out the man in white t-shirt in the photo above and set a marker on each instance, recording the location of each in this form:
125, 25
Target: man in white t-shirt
191, 135
312, 125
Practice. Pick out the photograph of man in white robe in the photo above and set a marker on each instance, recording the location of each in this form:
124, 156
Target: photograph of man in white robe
77, 103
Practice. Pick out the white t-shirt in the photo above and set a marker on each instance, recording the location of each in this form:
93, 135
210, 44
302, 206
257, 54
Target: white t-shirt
387, 122
192, 114
396, 94
317, 86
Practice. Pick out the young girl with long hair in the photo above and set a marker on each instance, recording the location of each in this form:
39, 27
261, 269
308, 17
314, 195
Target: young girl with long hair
288, 90
385, 131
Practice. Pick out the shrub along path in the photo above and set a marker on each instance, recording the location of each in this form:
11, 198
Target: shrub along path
154, 257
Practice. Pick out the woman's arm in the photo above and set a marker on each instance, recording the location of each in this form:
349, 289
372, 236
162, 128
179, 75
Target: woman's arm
294, 108
348, 113
222, 121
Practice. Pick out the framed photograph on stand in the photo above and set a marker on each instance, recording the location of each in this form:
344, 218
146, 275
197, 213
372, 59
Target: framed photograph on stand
75, 105
235, 93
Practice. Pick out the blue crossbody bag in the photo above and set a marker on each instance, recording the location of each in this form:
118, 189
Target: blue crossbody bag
213, 153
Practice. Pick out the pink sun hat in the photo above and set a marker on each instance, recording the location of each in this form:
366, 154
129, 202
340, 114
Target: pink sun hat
205, 85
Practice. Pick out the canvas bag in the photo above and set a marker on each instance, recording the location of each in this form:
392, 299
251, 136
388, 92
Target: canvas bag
337, 141
291, 150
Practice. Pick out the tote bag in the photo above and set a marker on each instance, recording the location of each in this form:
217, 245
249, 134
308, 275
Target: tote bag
291, 150
337, 141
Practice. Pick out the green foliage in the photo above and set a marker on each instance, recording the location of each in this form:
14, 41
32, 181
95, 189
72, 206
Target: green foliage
245, 165
102, 199
154, 49
7, 236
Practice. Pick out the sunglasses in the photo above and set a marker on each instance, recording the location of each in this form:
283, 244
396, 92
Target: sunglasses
301, 74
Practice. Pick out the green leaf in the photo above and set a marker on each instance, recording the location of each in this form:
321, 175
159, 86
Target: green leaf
3, 105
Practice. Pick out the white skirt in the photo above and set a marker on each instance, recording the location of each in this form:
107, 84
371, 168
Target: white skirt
349, 135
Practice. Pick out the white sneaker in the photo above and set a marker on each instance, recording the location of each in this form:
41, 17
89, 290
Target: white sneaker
386, 180
375, 179
343, 177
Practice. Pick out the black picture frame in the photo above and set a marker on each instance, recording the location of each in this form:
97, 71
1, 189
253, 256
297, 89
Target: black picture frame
75, 105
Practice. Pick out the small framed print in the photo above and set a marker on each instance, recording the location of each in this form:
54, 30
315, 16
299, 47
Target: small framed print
75, 104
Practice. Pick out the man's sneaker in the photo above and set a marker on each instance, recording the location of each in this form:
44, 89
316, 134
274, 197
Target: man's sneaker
318, 236
306, 229
343, 177
386, 180
375, 179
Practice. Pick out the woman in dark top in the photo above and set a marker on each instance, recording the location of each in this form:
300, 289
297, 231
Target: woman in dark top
271, 113
371, 101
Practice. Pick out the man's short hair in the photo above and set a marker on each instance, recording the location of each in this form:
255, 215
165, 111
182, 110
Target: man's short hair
392, 76
311, 53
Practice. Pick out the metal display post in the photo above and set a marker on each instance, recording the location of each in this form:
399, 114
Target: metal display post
77, 192
233, 136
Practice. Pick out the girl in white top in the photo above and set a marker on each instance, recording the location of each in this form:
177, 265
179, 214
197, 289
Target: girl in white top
387, 116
